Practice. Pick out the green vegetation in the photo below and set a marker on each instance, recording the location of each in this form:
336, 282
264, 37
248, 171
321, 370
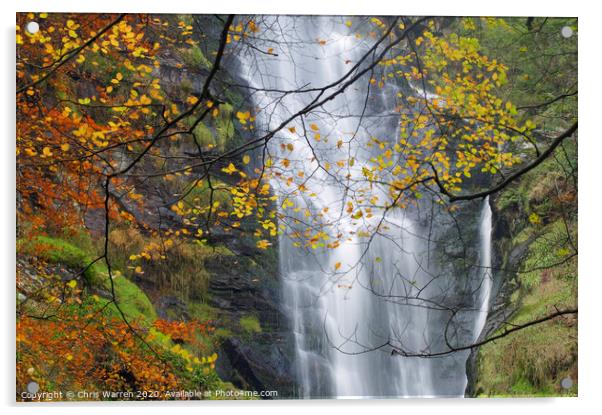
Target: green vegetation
57, 250
217, 133
194, 58
250, 324
131, 299
533, 361
200, 194
539, 212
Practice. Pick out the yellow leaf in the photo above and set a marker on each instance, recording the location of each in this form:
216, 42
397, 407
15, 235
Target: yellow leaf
246, 159
230, 169
72, 283
192, 100
292, 129
358, 214
313, 127
534, 218
243, 116
65, 147
46, 151
263, 244
337, 265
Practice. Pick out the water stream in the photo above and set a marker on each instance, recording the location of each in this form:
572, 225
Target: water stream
386, 287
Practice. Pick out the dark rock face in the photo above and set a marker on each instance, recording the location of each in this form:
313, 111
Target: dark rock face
243, 286
239, 287
169, 305
258, 364
245, 283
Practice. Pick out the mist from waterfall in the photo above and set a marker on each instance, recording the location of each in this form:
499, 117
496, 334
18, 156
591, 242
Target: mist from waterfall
385, 288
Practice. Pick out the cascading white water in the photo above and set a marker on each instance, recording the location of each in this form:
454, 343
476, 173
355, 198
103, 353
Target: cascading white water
486, 274
384, 288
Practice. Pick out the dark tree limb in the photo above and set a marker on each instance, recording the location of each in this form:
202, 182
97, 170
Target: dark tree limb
546, 103
504, 333
544, 155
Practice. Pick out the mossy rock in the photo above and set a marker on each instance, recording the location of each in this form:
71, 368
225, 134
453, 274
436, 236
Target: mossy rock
131, 299
250, 324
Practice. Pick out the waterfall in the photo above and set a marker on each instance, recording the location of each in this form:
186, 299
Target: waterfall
383, 287
486, 275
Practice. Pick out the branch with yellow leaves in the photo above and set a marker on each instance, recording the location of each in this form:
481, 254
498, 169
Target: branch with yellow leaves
543, 156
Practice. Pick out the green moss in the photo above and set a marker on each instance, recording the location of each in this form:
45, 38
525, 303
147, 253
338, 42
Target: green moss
204, 135
224, 125
202, 311
250, 324
131, 299
195, 58
510, 198
218, 132
225, 132
186, 86
57, 250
